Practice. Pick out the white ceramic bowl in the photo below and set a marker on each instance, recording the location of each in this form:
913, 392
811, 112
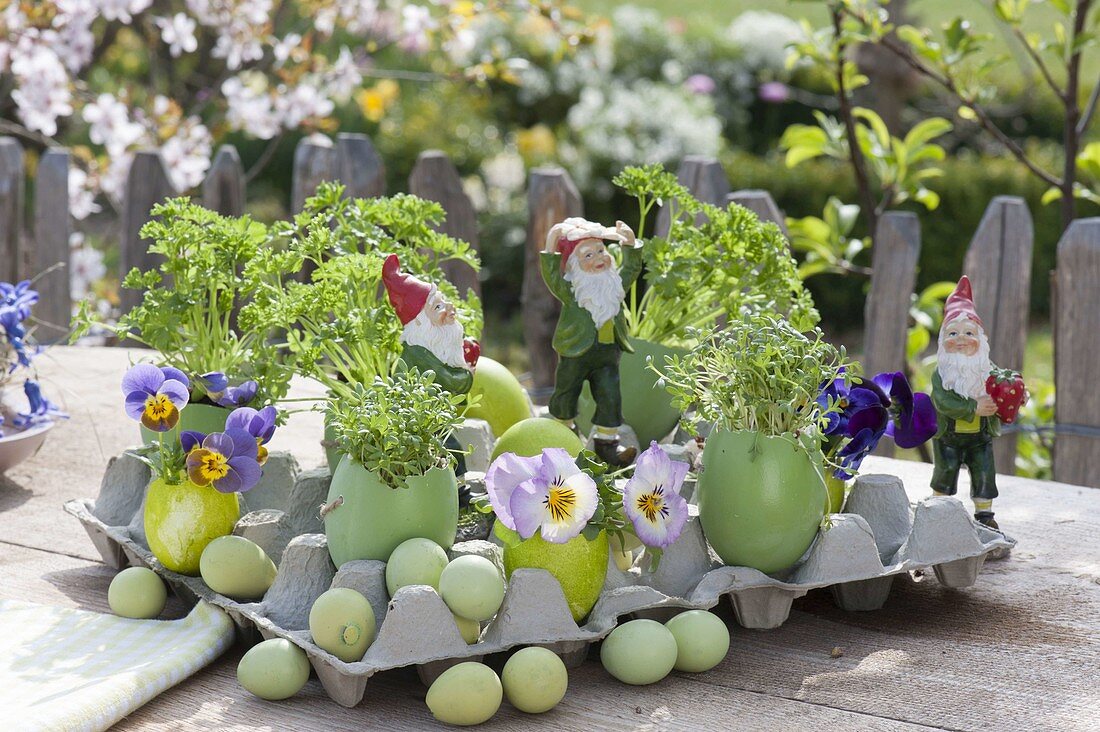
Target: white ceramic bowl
16, 448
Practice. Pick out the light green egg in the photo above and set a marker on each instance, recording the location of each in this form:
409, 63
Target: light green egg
137, 592
639, 652
472, 587
465, 694
415, 562
534, 680
274, 669
342, 622
237, 568
702, 640
470, 629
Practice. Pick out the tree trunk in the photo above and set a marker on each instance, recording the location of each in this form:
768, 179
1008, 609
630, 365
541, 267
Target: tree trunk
891, 81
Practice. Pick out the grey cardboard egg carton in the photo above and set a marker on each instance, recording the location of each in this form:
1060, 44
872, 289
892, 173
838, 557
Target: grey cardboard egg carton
856, 557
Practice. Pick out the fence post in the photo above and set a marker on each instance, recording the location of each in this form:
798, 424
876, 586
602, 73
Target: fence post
551, 197
12, 170
223, 189
314, 163
706, 180
359, 166
51, 246
435, 178
763, 205
1077, 351
147, 184
886, 314
998, 264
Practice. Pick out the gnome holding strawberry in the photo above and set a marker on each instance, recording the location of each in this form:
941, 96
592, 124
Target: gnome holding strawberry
433, 340
591, 333
972, 398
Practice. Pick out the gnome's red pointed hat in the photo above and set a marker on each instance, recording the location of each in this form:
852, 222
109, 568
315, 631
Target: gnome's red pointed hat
960, 304
407, 293
563, 238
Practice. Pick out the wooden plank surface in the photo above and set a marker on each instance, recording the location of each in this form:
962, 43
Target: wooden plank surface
314, 163
50, 248
998, 264
1077, 352
359, 166
1019, 650
763, 205
435, 178
707, 181
147, 184
886, 313
223, 189
552, 197
12, 191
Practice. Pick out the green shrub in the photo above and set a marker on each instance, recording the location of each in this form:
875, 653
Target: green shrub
968, 185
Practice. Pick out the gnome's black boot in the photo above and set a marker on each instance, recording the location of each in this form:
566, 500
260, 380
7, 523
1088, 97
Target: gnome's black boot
455, 449
985, 518
613, 453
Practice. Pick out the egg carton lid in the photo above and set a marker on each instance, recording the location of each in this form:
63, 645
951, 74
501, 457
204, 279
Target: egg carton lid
857, 554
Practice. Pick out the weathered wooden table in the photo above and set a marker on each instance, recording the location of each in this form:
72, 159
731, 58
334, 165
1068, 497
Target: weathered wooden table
1019, 650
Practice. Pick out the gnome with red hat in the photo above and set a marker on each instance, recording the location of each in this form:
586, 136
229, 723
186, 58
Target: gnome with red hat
967, 414
433, 339
591, 332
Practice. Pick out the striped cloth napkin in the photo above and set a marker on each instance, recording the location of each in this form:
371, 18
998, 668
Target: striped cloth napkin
66, 669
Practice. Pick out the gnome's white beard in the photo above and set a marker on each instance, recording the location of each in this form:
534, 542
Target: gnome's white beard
965, 375
600, 293
444, 341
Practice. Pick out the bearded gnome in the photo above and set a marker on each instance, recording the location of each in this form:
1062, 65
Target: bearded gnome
432, 340
968, 416
591, 332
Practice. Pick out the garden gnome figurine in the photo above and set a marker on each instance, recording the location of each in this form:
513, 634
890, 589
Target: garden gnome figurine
591, 332
432, 340
968, 416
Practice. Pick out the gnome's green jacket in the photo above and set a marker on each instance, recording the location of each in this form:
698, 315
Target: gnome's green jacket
455, 379
954, 411
576, 331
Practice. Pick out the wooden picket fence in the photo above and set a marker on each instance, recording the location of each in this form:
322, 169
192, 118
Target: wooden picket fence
998, 261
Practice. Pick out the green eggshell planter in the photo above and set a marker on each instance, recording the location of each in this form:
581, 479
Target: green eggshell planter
180, 520
761, 499
579, 565
368, 519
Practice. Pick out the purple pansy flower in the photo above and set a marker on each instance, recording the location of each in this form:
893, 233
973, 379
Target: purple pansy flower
506, 473
869, 409
216, 385
547, 494
190, 439
155, 396
226, 460
236, 396
260, 424
852, 399
214, 382
652, 500
914, 417
851, 455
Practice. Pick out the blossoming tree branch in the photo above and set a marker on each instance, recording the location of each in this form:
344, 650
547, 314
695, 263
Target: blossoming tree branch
110, 77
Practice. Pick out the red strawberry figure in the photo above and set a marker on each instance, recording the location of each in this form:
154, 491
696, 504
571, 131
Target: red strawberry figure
1006, 387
